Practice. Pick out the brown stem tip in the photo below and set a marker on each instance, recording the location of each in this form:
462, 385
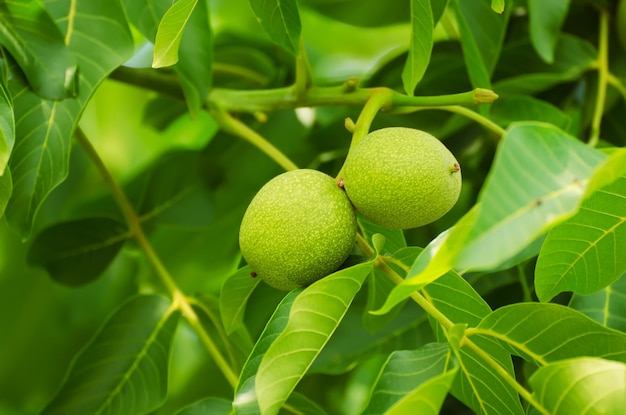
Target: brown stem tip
253, 274
340, 182
456, 168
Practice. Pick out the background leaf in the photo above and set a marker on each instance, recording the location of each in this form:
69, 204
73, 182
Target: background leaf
7, 125
6, 187
170, 33
420, 46
44, 128
77, 252
281, 21
35, 42
579, 255
313, 318
234, 297
607, 306
544, 333
124, 368
582, 386
213, 406
545, 21
510, 108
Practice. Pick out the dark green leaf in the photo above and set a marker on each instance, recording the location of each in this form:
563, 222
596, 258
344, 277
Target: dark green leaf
607, 306
581, 386
77, 252
403, 375
44, 128
234, 297
35, 42
170, 33
124, 368
544, 333
6, 187
579, 255
7, 126
511, 108
546, 19
420, 46
212, 406
314, 316
482, 32
281, 21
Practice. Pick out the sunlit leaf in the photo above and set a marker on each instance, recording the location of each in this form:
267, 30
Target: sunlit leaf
546, 18
582, 386
497, 6
77, 252
607, 306
170, 33
234, 296
35, 42
6, 187
611, 169
313, 318
420, 46
124, 368
581, 254
544, 333
213, 406
281, 21
482, 32
7, 126
40, 158
404, 373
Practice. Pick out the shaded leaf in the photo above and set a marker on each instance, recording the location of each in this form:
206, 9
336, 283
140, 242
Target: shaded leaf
6, 187
482, 32
39, 48
313, 318
234, 297
75, 253
607, 306
404, 373
546, 19
7, 126
544, 333
303, 405
44, 128
582, 254
213, 406
281, 21
170, 33
124, 368
428, 398
420, 46
511, 108
581, 386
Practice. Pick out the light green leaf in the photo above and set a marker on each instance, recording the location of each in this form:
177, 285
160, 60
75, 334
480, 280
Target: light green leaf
213, 406
428, 398
544, 333
35, 42
482, 33
611, 169
497, 6
124, 368
40, 158
582, 254
404, 374
170, 33
6, 187
546, 18
7, 126
314, 316
607, 306
421, 44
234, 297
281, 21
75, 253
583, 386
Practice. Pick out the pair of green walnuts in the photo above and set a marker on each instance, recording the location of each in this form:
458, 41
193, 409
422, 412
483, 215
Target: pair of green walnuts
301, 226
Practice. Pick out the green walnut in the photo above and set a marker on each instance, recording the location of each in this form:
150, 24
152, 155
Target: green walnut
297, 229
401, 178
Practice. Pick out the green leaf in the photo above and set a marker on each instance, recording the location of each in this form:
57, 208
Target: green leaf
404, 374
497, 6
75, 253
421, 44
7, 126
428, 398
170, 33
234, 297
281, 21
124, 368
482, 33
35, 42
544, 333
607, 306
581, 386
40, 159
579, 255
213, 406
6, 187
546, 19
613, 168
314, 316
511, 108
